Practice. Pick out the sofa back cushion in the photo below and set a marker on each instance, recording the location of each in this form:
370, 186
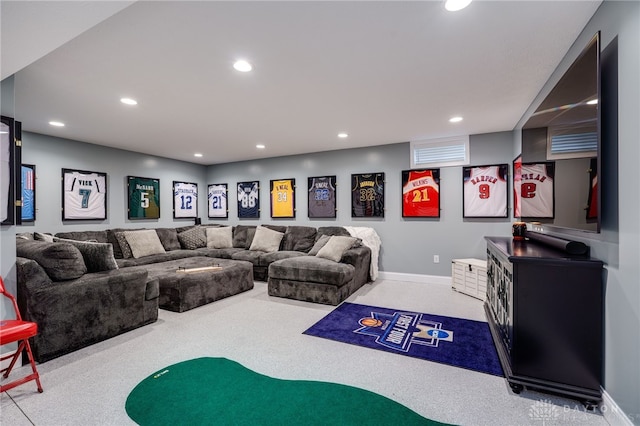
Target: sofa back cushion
332, 230
144, 243
299, 238
240, 235
61, 261
169, 238
95, 236
97, 257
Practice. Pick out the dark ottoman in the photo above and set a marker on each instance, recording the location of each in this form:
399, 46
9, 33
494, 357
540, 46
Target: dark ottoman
181, 291
312, 279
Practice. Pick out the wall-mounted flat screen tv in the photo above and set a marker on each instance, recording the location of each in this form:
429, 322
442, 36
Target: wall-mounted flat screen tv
565, 130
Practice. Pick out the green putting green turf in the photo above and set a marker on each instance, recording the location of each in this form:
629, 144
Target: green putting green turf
222, 392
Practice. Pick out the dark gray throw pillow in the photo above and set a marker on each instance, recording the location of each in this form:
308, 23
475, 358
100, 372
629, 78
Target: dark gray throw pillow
193, 238
61, 261
97, 257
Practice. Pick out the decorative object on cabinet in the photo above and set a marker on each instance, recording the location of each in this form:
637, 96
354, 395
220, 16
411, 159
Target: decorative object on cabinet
469, 276
367, 195
283, 198
421, 193
84, 195
249, 200
322, 197
217, 201
185, 200
485, 191
545, 309
143, 200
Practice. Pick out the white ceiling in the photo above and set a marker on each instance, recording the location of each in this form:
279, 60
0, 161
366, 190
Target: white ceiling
384, 72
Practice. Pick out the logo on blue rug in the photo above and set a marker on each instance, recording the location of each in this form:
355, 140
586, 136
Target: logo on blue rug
400, 330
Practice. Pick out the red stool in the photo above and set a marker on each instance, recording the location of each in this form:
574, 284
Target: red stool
16, 330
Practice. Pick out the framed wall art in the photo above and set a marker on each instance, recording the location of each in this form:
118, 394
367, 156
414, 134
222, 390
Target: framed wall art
10, 171
84, 195
283, 198
28, 192
249, 200
367, 195
421, 193
143, 197
217, 200
185, 200
533, 189
322, 197
485, 191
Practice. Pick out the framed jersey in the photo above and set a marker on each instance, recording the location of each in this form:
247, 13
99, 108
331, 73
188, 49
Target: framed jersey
185, 200
485, 191
143, 201
283, 198
533, 189
367, 195
217, 200
10, 171
322, 197
249, 200
421, 193
84, 195
28, 192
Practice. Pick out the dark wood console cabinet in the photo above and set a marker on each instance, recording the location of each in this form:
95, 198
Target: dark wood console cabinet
545, 311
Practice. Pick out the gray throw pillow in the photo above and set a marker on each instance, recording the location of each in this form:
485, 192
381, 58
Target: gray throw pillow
125, 249
221, 237
43, 237
61, 261
97, 256
144, 243
319, 244
335, 247
193, 238
266, 239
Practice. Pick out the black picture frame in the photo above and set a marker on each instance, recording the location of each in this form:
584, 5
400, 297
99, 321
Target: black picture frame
420, 193
367, 195
218, 201
143, 198
10, 135
84, 195
322, 197
185, 200
485, 191
249, 200
283, 198
28, 183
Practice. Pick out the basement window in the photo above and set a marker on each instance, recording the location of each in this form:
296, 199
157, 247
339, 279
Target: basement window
443, 152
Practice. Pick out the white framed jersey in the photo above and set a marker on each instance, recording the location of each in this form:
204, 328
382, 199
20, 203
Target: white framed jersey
185, 200
322, 197
85, 195
485, 191
249, 200
536, 190
217, 200
143, 201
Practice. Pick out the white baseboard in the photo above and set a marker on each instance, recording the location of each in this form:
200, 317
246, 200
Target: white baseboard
414, 278
612, 413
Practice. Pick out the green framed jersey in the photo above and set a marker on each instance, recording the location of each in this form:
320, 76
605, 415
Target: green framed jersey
144, 198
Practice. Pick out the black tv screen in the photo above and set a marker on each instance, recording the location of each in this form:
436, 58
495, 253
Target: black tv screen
564, 132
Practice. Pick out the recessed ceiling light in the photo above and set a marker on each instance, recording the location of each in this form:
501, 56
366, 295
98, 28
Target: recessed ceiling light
242, 66
260, 146
57, 123
455, 119
455, 5
197, 154
128, 101
343, 135
592, 102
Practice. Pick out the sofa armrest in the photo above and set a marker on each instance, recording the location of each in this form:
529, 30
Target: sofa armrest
360, 258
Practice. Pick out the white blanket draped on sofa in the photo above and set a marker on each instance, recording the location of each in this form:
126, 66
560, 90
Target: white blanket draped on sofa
370, 239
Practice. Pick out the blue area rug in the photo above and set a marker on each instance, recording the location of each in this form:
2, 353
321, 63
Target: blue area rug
454, 341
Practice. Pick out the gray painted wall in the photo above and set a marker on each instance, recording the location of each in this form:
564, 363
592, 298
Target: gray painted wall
618, 245
51, 154
408, 244
7, 233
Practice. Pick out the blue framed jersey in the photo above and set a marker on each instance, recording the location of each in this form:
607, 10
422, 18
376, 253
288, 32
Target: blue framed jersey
249, 199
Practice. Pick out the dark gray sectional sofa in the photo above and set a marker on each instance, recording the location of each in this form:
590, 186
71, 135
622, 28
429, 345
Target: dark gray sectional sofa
88, 286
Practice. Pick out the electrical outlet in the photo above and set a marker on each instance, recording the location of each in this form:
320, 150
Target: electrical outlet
436, 258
